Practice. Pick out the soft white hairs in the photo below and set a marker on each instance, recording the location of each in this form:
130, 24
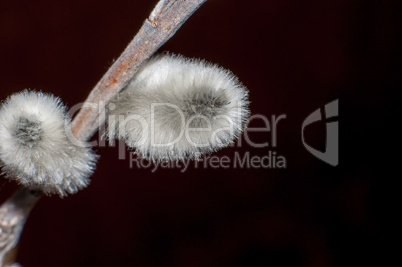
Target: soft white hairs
176, 108
34, 148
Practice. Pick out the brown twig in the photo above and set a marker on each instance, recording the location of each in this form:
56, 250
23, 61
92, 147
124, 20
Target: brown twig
163, 22
13, 214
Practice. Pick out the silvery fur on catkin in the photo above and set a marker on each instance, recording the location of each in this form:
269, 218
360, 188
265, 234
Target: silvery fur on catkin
170, 94
34, 148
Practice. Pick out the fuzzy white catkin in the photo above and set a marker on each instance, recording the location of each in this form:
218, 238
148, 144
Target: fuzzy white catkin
176, 108
34, 147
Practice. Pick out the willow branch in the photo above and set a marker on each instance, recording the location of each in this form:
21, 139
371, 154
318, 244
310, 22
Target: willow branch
13, 214
163, 22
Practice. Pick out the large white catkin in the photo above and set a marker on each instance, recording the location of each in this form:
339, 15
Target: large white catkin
34, 148
176, 108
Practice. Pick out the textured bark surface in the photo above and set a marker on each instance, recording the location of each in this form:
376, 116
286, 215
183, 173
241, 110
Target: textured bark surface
164, 21
13, 214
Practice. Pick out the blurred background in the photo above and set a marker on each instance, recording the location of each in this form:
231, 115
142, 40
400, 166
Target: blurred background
294, 57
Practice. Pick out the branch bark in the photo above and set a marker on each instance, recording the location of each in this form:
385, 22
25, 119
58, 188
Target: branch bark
13, 214
162, 24
164, 21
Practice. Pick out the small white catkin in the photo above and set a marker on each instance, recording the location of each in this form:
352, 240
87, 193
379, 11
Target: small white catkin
34, 148
176, 108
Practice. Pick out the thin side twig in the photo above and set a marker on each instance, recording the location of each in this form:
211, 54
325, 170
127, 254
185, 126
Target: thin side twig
13, 214
163, 22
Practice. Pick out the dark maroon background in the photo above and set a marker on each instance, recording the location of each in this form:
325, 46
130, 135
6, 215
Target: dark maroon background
294, 57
